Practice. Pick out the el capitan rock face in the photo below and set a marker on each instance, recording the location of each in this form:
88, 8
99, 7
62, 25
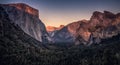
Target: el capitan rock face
12, 35
100, 26
28, 19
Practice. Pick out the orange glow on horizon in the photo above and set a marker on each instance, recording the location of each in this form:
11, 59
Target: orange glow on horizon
56, 21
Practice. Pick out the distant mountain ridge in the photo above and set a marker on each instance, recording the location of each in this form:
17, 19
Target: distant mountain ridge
100, 26
53, 28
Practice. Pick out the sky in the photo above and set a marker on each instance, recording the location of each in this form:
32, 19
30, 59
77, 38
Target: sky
63, 12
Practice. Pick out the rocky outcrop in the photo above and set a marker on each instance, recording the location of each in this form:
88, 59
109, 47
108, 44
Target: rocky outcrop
106, 27
28, 19
102, 26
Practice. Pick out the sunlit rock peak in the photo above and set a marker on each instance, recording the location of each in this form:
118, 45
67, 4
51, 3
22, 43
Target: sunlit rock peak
25, 7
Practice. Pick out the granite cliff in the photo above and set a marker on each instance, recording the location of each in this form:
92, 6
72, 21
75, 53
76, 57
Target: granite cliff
28, 19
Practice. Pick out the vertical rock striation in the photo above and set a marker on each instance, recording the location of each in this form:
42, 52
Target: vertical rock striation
28, 19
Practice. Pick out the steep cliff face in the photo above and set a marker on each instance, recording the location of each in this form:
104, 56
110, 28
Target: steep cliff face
28, 19
13, 35
100, 26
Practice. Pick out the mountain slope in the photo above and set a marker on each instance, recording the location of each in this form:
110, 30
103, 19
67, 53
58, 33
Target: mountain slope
69, 32
100, 26
27, 18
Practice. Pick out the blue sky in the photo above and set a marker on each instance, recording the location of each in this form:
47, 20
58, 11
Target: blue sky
57, 12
